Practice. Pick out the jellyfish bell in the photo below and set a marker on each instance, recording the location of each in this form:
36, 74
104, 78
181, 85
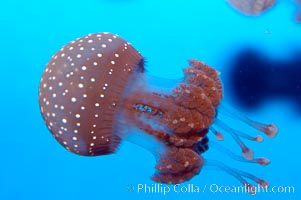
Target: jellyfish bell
298, 15
252, 7
94, 93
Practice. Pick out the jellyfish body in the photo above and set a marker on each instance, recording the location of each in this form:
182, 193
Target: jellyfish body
94, 93
298, 15
252, 7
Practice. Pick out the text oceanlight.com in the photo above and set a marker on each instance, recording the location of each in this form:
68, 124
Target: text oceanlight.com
211, 188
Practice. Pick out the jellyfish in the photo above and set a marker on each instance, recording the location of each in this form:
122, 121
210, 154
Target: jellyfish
298, 15
252, 7
94, 93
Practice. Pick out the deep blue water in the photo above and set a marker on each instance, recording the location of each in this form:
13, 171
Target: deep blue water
168, 33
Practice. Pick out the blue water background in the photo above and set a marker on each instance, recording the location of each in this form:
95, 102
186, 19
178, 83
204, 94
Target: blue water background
34, 166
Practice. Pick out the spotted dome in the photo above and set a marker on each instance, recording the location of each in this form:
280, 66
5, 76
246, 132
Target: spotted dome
80, 90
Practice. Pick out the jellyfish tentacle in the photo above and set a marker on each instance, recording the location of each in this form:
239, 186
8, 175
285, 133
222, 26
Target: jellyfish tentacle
215, 145
218, 135
257, 138
211, 73
238, 174
177, 165
270, 130
261, 182
246, 151
193, 98
227, 169
205, 77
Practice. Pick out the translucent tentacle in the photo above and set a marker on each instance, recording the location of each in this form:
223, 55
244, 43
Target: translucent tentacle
246, 152
261, 161
218, 135
269, 129
239, 175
